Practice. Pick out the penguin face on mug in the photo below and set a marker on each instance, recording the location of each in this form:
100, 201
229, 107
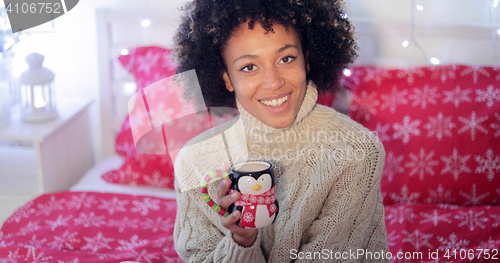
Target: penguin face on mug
255, 185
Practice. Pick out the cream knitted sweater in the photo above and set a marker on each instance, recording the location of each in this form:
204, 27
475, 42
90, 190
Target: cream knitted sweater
327, 187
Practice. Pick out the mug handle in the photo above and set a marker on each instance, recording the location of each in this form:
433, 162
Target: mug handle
205, 180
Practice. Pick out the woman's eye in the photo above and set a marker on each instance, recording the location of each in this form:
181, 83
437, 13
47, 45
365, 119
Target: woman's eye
287, 59
248, 68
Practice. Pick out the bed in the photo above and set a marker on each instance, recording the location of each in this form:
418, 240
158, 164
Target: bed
123, 209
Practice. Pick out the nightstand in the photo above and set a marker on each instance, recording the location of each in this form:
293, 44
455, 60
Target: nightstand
44, 157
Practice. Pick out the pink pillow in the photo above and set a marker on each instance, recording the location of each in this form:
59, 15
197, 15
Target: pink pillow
148, 64
440, 127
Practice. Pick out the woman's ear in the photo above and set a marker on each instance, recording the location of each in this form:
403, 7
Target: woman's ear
227, 81
306, 60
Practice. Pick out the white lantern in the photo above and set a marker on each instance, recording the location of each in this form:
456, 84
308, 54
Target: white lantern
37, 91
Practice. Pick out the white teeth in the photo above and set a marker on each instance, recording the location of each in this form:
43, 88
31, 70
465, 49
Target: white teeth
275, 103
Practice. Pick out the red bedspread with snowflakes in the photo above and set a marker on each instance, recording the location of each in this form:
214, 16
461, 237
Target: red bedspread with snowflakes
90, 227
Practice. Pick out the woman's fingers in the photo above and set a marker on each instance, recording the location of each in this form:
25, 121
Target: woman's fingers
224, 167
223, 189
229, 222
224, 199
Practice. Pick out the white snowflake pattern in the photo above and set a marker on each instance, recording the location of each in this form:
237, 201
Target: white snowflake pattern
406, 196
496, 126
377, 75
443, 73
472, 124
365, 105
489, 244
455, 164
489, 164
33, 245
13, 256
156, 179
473, 199
421, 164
144, 256
64, 241
165, 243
392, 100
435, 218
490, 95
382, 132
352, 80
172, 260
447, 206
89, 220
188, 125
400, 215
424, 96
30, 228
417, 239
60, 221
410, 74
475, 70
129, 149
440, 196
440, 126
393, 166
82, 200
456, 96
496, 220
128, 174
471, 219
113, 205
51, 206
97, 243
131, 245
248, 217
42, 258
23, 212
392, 238
162, 115
452, 243
124, 224
158, 224
143, 207
406, 129
144, 63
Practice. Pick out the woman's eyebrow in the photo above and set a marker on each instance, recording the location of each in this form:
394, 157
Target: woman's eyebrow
287, 46
244, 56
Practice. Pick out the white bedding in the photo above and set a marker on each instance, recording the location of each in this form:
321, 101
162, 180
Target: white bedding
92, 181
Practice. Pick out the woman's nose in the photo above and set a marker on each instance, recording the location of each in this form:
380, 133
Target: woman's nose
272, 79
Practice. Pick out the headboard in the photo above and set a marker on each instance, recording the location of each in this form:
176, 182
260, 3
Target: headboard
119, 30
380, 35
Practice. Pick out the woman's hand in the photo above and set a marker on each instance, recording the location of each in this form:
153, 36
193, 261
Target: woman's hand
243, 236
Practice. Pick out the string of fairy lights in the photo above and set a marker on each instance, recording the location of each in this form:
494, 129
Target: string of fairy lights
415, 8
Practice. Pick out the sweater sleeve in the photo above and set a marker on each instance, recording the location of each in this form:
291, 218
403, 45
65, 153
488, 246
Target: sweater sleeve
361, 225
199, 238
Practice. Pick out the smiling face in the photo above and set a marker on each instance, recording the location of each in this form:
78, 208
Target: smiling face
267, 72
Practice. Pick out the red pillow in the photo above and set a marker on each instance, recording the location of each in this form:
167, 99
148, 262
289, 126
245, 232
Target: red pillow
440, 127
148, 64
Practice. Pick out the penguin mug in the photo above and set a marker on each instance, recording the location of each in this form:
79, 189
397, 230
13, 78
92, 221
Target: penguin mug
255, 180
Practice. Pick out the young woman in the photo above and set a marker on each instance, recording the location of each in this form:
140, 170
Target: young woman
270, 59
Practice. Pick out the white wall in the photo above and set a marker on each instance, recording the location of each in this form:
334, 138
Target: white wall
455, 31
69, 44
